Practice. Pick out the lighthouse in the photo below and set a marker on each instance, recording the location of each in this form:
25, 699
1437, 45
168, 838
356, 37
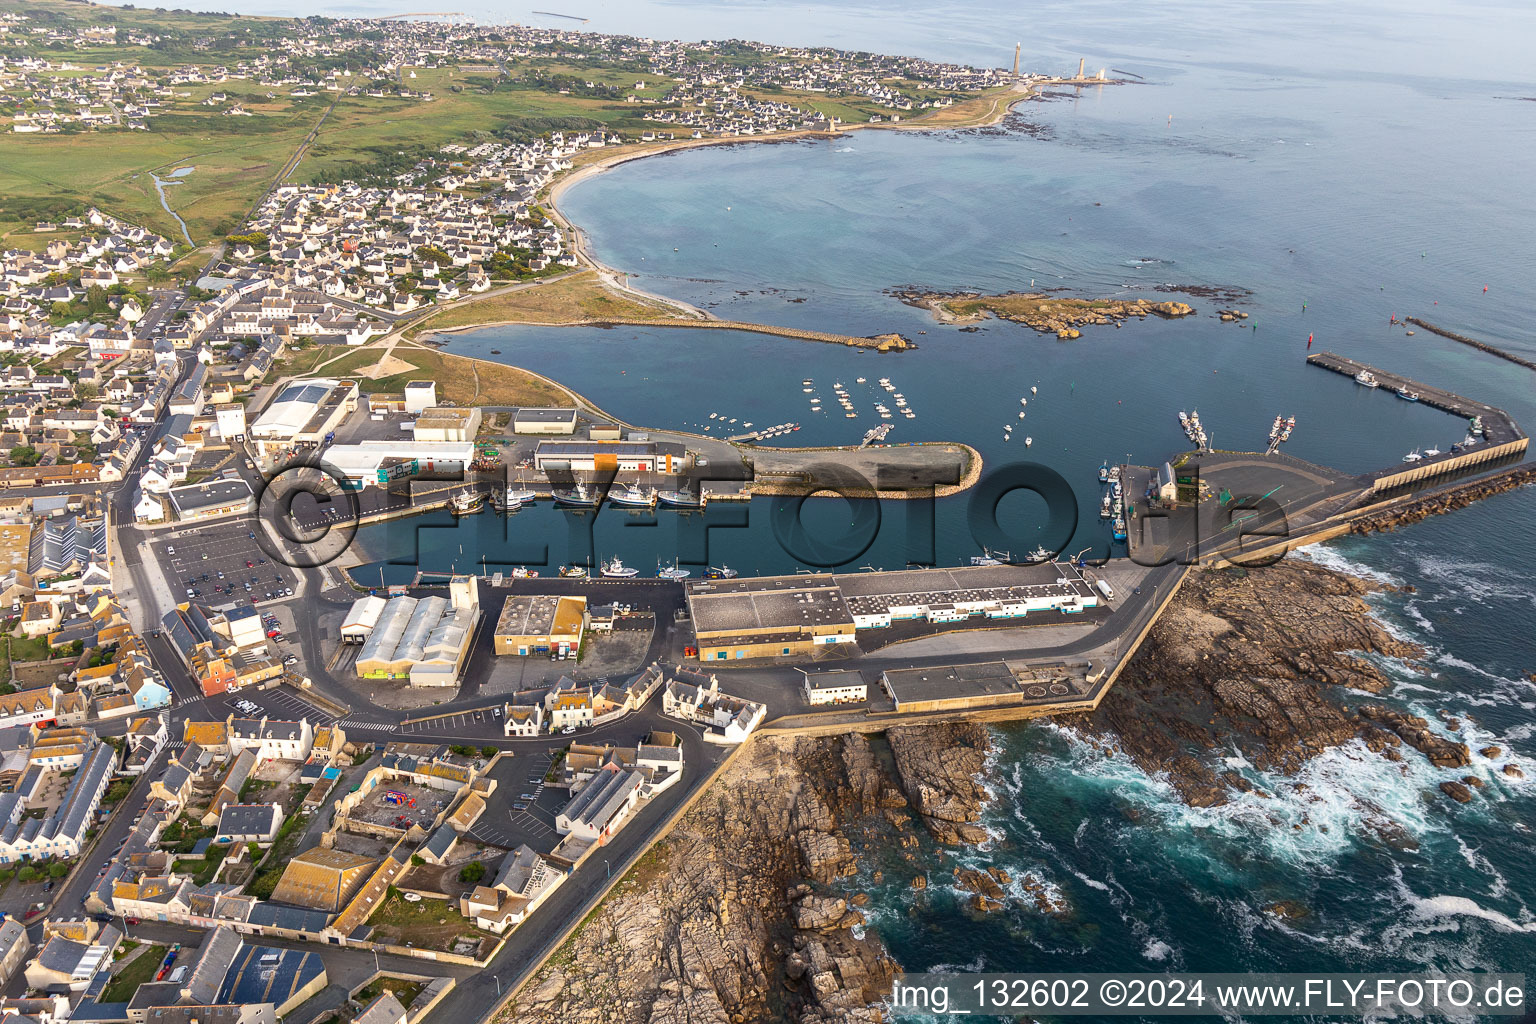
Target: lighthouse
1016, 48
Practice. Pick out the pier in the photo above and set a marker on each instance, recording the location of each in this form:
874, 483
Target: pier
1502, 436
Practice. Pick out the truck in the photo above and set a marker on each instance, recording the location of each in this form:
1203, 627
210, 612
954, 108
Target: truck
1103, 587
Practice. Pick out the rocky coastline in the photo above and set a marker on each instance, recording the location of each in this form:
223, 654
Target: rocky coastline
1266, 664
1048, 314
741, 914
746, 912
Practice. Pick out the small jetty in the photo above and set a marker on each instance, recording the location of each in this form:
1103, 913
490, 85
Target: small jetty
763, 434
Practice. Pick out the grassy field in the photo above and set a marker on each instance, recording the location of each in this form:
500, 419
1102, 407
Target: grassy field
404, 991
141, 969
430, 924
47, 176
361, 128
468, 382
579, 298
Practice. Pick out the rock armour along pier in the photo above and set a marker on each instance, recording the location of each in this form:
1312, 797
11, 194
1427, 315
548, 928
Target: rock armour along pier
1481, 346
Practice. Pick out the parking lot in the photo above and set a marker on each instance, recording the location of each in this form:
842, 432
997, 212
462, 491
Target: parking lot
221, 564
476, 722
277, 703
523, 807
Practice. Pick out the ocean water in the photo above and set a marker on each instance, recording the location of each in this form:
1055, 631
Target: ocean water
1328, 166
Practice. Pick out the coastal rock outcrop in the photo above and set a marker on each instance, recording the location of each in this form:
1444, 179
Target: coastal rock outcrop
1262, 662
730, 919
939, 767
1049, 314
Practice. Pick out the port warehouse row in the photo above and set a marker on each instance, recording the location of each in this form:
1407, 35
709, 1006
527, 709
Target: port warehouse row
783, 616
1502, 435
427, 639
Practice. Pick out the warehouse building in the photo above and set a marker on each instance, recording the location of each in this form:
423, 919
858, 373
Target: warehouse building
839, 686
361, 618
790, 616
952, 687
768, 617
419, 396
285, 978
376, 462
323, 879
540, 624
303, 413
212, 499
424, 639
877, 599
623, 456
439, 424
553, 422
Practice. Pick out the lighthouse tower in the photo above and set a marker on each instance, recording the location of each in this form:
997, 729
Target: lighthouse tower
1016, 48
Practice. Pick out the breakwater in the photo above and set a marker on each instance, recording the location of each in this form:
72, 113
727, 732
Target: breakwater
1502, 435
879, 342
1481, 346
1447, 499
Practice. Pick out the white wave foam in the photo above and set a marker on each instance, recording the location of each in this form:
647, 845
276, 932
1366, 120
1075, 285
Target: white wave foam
1329, 557
1156, 950
1450, 907
1344, 791
1498, 884
1480, 583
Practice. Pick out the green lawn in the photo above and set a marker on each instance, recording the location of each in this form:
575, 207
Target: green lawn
122, 987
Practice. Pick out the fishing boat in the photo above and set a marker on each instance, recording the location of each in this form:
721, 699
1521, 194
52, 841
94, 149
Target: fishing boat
574, 572
1430, 453
1104, 472
614, 569
671, 572
1040, 554
990, 557
632, 495
575, 497
1028, 441
1367, 379
1105, 508
1034, 391
522, 572
510, 499
1413, 456
722, 572
680, 499
1406, 395
1119, 529
466, 502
